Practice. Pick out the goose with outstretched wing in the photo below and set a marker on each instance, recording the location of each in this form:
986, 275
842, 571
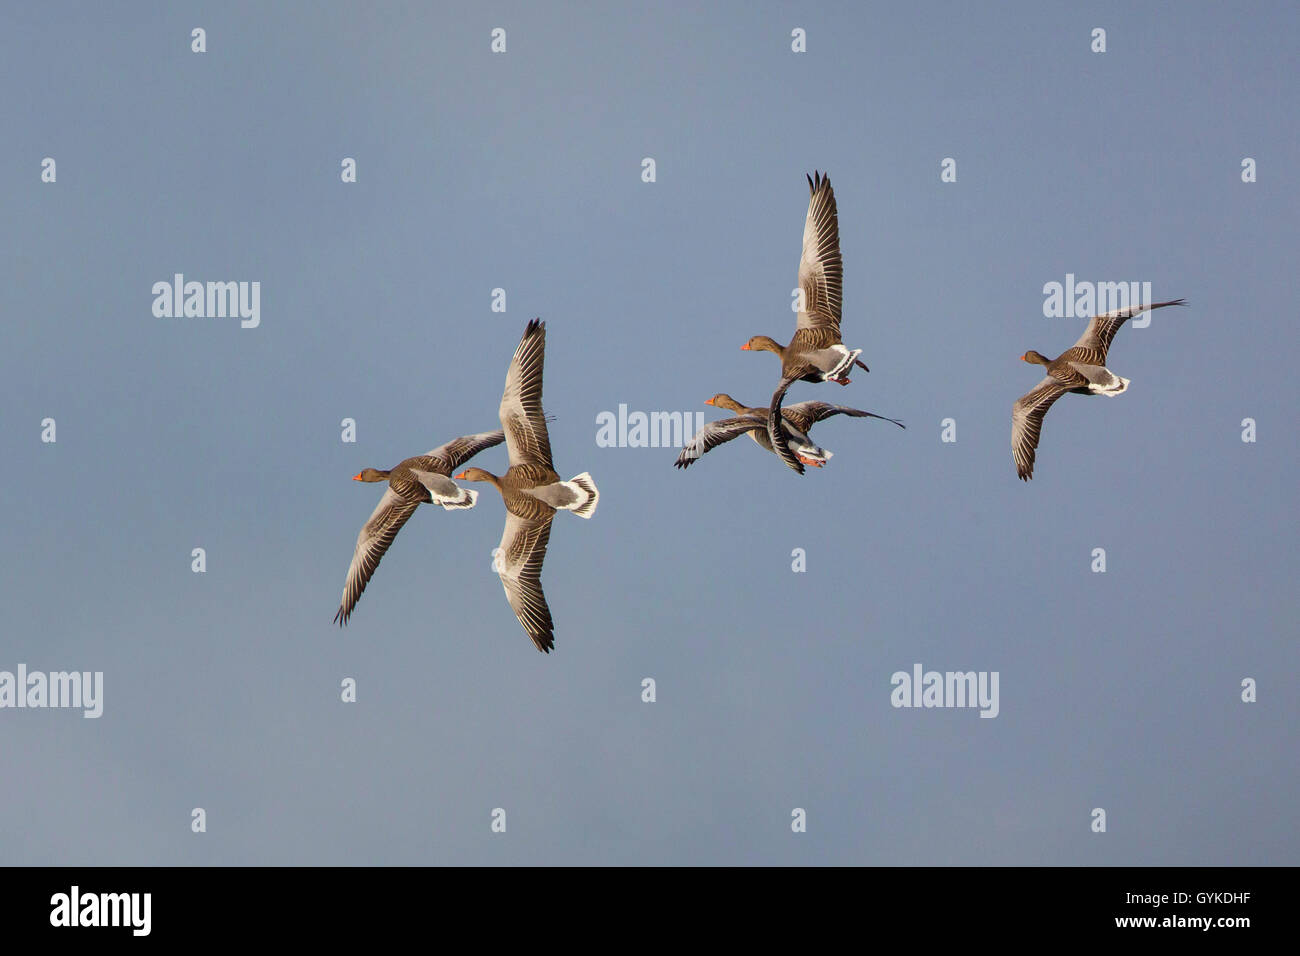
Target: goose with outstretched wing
423, 479
816, 352
1080, 369
531, 489
797, 425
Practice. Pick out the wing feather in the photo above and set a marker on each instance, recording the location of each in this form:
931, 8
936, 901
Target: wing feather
805, 414
1102, 328
523, 549
372, 544
1027, 423
716, 433
460, 450
821, 268
776, 433
521, 413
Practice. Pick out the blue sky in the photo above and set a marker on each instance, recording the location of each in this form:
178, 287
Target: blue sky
522, 171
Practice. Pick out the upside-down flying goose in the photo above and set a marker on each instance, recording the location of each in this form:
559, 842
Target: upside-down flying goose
797, 424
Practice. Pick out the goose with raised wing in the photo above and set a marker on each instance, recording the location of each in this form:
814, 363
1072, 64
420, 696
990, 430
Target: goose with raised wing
752, 421
816, 352
423, 479
1080, 369
531, 489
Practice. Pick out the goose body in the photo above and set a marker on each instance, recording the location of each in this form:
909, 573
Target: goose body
423, 479
1080, 369
797, 422
531, 489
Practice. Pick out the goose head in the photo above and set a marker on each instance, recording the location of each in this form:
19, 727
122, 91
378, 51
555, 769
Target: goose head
723, 400
761, 343
1034, 358
370, 474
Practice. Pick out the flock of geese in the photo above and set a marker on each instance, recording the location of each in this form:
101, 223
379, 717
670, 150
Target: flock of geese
817, 353
532, 491
530, 488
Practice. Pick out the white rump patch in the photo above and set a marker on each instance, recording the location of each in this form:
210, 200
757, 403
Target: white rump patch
811, 452
468, 498
845, 366
1101, 380
588, 495
443, 491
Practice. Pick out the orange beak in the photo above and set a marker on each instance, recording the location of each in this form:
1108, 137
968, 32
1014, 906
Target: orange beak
460, 476
746, 348
708, 401
357, 476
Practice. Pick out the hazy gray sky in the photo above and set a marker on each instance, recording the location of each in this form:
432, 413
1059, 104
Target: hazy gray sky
1119, 690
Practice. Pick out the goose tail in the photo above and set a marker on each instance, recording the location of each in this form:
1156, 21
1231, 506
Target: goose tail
588, 495
468, 497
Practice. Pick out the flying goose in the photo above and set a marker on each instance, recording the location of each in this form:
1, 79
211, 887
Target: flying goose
815, 353
415, 481
1080, 369
531, 489
798, 422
